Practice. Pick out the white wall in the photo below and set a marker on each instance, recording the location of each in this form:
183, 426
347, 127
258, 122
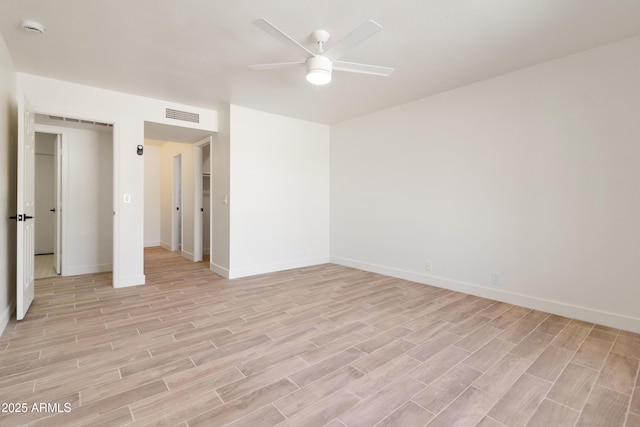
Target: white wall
128, 113
45, 183
87, 201
152, 195
533, 175
45, 143
8, 155
220, 189
279, 192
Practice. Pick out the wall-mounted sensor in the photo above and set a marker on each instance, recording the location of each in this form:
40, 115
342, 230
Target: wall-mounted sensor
139, 150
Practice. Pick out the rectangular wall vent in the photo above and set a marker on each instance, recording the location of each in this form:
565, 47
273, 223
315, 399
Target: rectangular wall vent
84, 122
183, 115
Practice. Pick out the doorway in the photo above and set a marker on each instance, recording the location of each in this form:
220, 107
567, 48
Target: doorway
77, 202
94, 161
177, 204
47, 193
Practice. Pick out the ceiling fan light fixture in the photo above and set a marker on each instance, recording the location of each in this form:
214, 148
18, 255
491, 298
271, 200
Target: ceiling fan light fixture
321, 64
319, 70
319, 77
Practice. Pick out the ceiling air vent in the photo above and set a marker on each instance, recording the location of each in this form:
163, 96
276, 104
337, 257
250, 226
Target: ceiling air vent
182, 115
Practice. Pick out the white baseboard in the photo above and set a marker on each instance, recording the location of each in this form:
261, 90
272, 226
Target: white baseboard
219, 270
125, 282
166, 246
188, 255
152, 244
586, 314
252, 271
88, 269
6, 316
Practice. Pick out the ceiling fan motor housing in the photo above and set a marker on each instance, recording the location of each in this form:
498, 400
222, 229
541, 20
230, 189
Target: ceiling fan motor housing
319, 69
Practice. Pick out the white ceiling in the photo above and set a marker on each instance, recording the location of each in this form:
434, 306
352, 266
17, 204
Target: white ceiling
196, 52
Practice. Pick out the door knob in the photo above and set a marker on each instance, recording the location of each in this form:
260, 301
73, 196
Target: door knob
52, 210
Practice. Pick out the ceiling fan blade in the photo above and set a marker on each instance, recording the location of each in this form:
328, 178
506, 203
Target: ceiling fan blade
277, 33
275, 65
353, 67
357, 36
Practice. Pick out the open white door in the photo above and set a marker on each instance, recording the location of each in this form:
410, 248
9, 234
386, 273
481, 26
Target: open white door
25, 250
57, 203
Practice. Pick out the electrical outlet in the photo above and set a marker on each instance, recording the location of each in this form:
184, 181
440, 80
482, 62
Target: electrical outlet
428, 265
495, 278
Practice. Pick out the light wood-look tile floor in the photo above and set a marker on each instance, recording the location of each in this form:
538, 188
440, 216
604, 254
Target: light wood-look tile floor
43, 266
320, 346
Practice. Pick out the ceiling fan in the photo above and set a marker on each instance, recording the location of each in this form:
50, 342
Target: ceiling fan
321, 63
